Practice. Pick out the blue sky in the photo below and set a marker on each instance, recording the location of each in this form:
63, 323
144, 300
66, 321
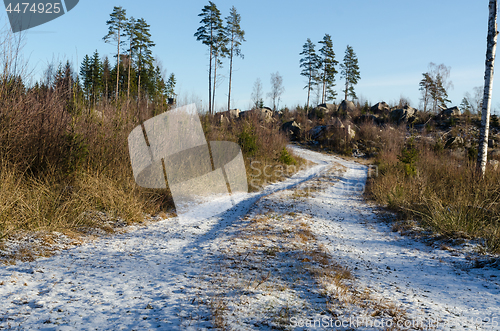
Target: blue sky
394, 40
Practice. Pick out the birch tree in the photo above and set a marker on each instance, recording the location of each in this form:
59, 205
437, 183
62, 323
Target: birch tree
257, 100
277, 89
488, 85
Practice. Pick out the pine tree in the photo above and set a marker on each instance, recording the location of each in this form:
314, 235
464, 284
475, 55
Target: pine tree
116, 26
207, 34
170, 88
129, 31
350, 71
106, 77
96, 77
64, 79
434, 86
438, 93
309, 63
141, 46
160, 90
465, 106
86, 76
426, 85
220, 50
328, 70
236, 36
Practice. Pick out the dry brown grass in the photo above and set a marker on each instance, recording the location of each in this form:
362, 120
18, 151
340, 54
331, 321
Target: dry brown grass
30, 204
262, 146
65, 167
218, 308
445, 195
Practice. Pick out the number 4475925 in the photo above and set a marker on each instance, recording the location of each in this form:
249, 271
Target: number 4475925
40, 8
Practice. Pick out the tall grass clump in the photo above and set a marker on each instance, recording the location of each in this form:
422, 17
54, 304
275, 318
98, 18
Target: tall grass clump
61, 161
65, 163
263, 145
443, 193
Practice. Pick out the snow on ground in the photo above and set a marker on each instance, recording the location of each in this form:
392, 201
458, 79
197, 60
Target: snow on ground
439, 287
232, 269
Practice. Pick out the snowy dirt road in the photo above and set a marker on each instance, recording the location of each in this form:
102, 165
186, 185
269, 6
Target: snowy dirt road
306, 253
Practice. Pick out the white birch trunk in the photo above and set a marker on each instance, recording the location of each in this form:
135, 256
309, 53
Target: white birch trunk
488, 85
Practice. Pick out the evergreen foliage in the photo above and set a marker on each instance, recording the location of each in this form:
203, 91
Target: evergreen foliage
116, 31
350, 72
310, 64
327, 71
210, 34
235, 36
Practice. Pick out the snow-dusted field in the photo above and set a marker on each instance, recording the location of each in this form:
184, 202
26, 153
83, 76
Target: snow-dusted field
257, 266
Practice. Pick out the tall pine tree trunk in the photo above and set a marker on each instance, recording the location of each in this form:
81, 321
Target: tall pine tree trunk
346, 88
215, 80
139, 64
323, 97
118, 66
210, 82
139, 87
129, 66
230, 76
308, 91
488, 85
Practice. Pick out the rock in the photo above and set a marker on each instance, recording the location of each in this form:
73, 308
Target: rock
317, 132
403, 114
234, 113
347, 105
292, 129
494, 164
337, 123
453, 111
265, 114
380, 107
228, 115
454, 142
350, 132
330, 106
319, 112
325, 132
368, 118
